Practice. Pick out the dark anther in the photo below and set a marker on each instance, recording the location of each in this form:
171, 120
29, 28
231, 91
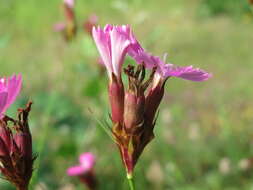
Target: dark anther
129, 71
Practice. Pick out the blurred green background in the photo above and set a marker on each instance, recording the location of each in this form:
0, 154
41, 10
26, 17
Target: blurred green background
204, 134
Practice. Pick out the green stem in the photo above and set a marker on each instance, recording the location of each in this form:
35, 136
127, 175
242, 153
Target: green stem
131, 181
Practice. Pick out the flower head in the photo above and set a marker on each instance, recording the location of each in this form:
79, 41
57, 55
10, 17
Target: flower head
59, 27
90, 23
86, 164
134, 106
9, 90
69, 3
69, 26
113, 43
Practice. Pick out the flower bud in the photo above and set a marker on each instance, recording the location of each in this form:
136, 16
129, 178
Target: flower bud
16, 149
24, 143
116, 95
133, 110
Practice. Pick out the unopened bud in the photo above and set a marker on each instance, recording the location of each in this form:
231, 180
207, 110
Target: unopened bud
24, 143
133, 110
116, 95
16, 149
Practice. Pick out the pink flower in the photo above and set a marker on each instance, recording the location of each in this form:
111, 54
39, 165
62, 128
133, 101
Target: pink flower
69, 3
134, 106
60, 26
112, 43
90, 23
84, 171
9, 90
87, 161
69, 27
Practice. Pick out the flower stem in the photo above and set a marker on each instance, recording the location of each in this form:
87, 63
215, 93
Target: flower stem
131, 181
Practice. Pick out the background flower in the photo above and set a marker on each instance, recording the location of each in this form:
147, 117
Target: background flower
9, 89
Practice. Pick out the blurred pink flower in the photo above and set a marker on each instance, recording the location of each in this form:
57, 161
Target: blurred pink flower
85, 170
87, 161
60, 26
69, 10
69, 3
69, 27
9, 90
90, 23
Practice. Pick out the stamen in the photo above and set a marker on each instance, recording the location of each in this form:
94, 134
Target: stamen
143, 73
136, 78
150, 79
138, 71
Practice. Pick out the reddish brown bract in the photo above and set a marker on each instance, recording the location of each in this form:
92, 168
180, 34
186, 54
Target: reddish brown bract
16, 149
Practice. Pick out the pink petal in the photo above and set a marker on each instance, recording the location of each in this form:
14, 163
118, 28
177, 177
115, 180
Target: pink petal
3, 84
140, 55
75, 171
188, 72
87, 161
69, 3
12, 87
119, 44
103, 41
112, 43
3, 101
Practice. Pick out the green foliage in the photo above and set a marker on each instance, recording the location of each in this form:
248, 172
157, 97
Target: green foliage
230, 7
